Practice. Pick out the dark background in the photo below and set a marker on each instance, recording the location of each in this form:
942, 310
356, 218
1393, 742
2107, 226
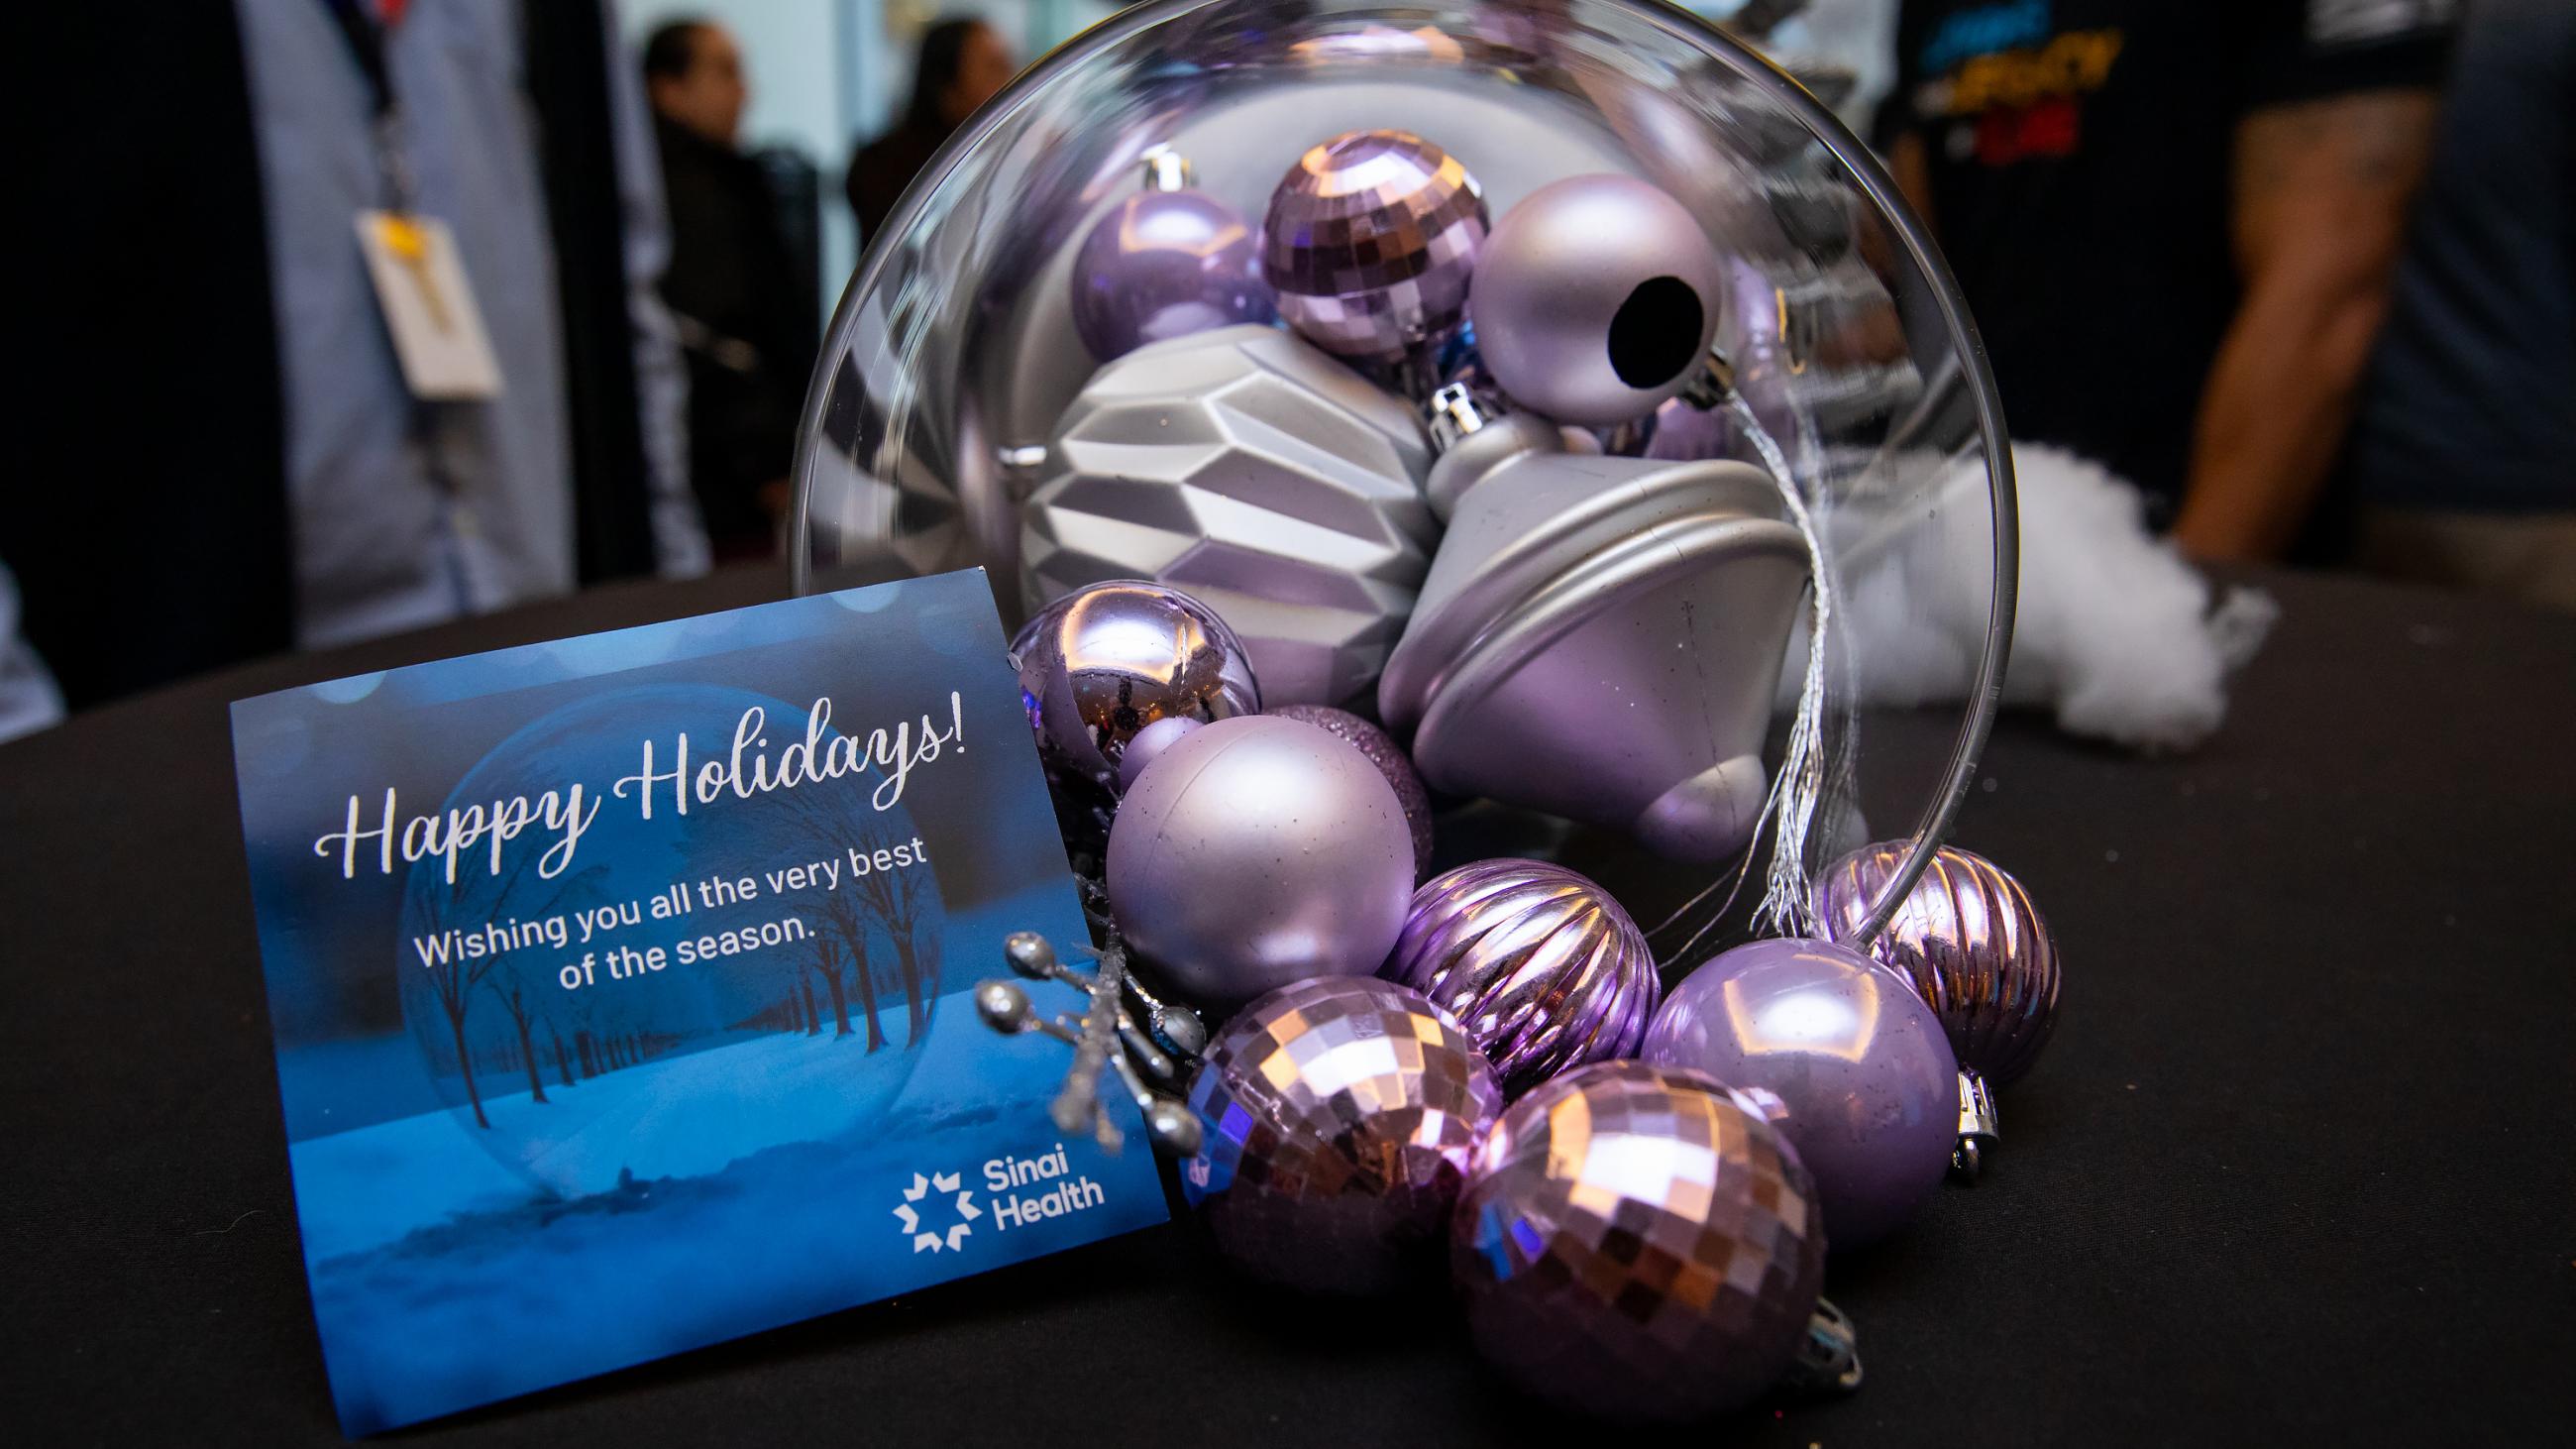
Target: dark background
2299, 1167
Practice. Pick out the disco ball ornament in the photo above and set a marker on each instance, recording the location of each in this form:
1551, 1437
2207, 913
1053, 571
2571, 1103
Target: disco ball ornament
1846, 1061
1391, 762
1102, 663
1596, 299
1976, 951
1336, 1118
1540, 964
1370, 241
1264, 478
1635, 1244
1256, 852
1164, 263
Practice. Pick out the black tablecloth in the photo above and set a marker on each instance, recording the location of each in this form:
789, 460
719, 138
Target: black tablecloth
2299, 1166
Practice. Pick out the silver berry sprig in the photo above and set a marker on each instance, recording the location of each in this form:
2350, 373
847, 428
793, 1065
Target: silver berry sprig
1150, 1061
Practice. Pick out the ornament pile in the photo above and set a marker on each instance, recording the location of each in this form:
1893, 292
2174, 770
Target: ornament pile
1635, 1189
1392, 499
1398, 493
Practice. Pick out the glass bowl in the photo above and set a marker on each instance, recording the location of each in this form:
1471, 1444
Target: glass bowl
953, 351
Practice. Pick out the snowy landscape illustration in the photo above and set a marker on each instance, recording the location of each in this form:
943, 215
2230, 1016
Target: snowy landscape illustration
575, 1078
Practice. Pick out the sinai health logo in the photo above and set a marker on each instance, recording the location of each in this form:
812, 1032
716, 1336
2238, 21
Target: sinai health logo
939, 1213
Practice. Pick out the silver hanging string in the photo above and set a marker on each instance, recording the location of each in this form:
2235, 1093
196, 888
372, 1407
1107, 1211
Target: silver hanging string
1808, 765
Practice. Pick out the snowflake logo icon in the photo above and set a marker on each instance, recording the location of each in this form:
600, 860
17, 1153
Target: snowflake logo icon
908, 1213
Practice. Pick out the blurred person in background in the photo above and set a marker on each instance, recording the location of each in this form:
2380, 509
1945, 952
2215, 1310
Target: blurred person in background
264, 476
963, 63
743, 315
2463, 456
2175, 222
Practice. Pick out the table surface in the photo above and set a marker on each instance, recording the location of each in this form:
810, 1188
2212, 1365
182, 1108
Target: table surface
2300, 1162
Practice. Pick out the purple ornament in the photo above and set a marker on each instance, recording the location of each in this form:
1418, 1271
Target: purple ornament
1103, 662
1391, 761
1542, 966
1684, 432
1635, 1244
1850, 1065
1149, 743
1337, 1117
1969, 939
1369, 243
1596, 299
1257, 852
1165, 264
1976, 951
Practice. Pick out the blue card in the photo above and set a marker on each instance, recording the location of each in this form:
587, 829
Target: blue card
621, 988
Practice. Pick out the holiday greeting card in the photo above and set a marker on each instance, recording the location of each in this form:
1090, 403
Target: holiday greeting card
620, 987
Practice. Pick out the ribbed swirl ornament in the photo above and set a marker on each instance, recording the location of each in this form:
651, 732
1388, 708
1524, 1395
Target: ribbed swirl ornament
1969, 939
1540, 965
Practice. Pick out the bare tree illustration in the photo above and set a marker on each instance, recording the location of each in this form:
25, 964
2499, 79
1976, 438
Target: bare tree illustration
563, 1058
516, 999
899, 901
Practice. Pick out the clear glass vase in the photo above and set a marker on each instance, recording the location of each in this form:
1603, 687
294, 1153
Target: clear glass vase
953, 352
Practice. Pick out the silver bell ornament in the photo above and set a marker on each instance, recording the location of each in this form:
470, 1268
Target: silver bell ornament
1600, 637
1262, 476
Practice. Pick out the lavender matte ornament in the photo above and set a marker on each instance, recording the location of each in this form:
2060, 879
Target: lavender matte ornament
1634, 1244
1166, 262
1257, 852
1541, 965
1391, 761
1596, 298
1976, 951
1850, 1066
1149, 743
1336, 1120
1370, 241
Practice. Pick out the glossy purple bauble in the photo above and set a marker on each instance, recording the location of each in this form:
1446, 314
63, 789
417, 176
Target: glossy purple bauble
1391, 761
1851, 1066
1166, 264
1337, 1117
1257, 852
1370, 242
1634, 1244
1542, 967
1969, 939
1103, 662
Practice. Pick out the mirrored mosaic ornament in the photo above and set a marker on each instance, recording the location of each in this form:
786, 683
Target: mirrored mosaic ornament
1976, 951
1100, 664
1370, 241
1336, 1119
1263, 477
1541, 965
1635, 1244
